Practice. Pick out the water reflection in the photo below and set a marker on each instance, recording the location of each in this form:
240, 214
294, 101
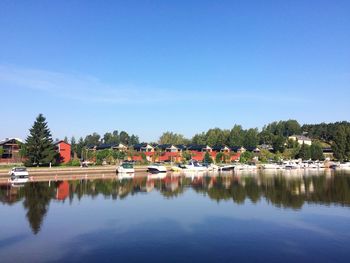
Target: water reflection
288, 190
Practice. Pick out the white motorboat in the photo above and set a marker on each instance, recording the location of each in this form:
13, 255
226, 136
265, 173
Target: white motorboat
156, 168
211, 167
344, 166
291, 165
125, 167
194, 166
19, 175
228, 167
270, 166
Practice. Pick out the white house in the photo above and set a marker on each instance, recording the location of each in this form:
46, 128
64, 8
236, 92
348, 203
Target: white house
301, 139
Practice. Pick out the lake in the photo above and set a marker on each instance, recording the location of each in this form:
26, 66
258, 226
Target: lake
297, 216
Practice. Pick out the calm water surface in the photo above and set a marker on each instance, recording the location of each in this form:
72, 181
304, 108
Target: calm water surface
293, 217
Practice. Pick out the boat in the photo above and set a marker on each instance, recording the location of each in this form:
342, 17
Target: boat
156, 168
177, 168
270, 166
19, 175
291, 165
125, 167
195, 166
211, 166
228, 167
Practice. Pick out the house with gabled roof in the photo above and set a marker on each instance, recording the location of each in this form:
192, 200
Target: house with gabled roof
143, 147
301, 139
238, 149
64, 150
221, 148
199, 148
10, 148
168, 148
253, 149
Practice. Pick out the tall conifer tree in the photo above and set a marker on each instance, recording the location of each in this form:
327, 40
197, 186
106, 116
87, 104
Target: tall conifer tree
39, 144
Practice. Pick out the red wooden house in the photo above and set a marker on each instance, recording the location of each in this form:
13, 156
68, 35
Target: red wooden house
64, 150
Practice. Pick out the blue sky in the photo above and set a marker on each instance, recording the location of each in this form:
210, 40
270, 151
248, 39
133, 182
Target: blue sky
184, 66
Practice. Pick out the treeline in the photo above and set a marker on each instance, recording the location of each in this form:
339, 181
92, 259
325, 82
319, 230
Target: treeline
337, 134
93, 139
39, 148
275, 134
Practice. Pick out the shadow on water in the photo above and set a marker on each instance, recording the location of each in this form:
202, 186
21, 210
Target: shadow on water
282, 190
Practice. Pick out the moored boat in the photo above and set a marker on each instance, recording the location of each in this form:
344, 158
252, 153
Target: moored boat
19, 175
195, 166
125, 167
156, 168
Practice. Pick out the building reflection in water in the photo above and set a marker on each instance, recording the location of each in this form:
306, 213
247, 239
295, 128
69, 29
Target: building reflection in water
288, 190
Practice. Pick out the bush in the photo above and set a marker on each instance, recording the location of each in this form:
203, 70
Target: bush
73, 162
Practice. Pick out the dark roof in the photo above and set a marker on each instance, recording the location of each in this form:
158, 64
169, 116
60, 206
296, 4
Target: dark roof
7, 140
235, 148
140, 145
194, 147
90, 146
181, 146
106, 146
218, 148
164, 146
251, 149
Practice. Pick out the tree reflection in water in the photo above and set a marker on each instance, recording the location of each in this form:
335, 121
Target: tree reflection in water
287, 191
37, 197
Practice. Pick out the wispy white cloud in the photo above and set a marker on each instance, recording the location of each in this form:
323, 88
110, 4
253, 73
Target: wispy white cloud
90, 89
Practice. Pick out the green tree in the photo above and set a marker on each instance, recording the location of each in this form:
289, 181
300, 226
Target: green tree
172, 138
73, 146
108, 138
92, 139
251, 138
1, 151
134, 140
291, 127
278, 143
341, 143
80, 146
124, 137
304, 152
236, 136
265, 137
217, 136
39, 145
219, 157
187, 155
246, 157
199, 139
316, 152
207, 158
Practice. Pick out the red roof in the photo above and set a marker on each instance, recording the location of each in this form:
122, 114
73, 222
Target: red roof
137, 158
